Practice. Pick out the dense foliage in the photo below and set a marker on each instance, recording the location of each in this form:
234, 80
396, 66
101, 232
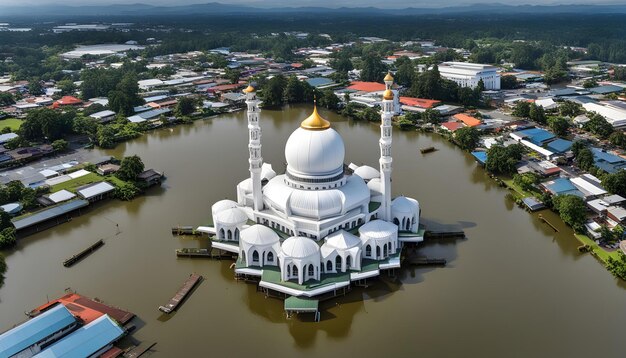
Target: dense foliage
503, 160
467, 138
572, 210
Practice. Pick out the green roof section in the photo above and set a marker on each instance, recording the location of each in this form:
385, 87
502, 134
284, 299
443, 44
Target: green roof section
373, 206
271, 274
297, 304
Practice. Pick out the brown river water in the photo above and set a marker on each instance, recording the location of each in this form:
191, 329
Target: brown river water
514, 288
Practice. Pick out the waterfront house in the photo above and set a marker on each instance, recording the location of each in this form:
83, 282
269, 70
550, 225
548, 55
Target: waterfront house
107, 169
561, 186
150, 177
608, 162
28, 338
103, 116
95, 191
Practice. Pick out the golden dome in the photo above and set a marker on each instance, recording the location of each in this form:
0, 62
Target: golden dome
388, 95
389, 77
249, 89
315, 121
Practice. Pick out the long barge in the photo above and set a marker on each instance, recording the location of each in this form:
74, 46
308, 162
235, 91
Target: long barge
182, 293
81, 255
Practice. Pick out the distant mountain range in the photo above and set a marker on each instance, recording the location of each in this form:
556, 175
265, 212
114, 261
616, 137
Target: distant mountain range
134, 10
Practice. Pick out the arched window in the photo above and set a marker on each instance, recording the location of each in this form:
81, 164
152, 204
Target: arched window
377, 251
395, 221
408, 224
243, 256
368, 251
288, 271
385, 250
270, 257
222, 234
348, 262
329, 266
338, 263
237, 234
311, 271
295, 271
255, 256
230, 235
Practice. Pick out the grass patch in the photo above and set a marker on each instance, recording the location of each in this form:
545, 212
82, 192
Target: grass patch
600, 253
72, 185
12, 123
519, 192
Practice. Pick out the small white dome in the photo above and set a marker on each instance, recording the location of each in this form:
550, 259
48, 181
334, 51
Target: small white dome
259, 235
222, 205
297, 247
231, 217
404, 205
267, 172
342, 240
378, 229
314, 152
366, 172
374, 186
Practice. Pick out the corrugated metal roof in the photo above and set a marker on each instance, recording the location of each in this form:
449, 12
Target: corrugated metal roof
34, 330
48, 214
86, 340
560, 145
60, 196
95, 190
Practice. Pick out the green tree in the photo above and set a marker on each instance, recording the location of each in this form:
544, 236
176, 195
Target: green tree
232, 75
503, 160
508, 82
526, 181
559, 125
126, 191
598, 125
273, 91
106, 137
66, 86
572, 210
6, 99
522, 109
615, 183
431, 116
590, 83
295, 91
185, 106
86, 126
570, 109
342, 63
60, 145
584, 159
406, 72
125, 97
617, 266
537, 113
130, 168
618, 139
34, 87
329, 100
373, 68
467, 138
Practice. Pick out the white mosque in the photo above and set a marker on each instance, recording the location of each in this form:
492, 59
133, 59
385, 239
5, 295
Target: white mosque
319, 226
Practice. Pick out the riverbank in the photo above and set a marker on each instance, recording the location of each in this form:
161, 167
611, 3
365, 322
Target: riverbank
518, 193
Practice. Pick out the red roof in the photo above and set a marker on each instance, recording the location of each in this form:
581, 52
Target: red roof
419, 102
222, 88
452, 126
87, 310
367, 86
68, 101
468, 120
296, 65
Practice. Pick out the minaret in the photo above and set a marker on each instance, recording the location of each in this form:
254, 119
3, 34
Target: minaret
385, 148
254, 146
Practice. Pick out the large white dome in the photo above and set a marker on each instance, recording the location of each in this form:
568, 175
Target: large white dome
297, 247
314, 152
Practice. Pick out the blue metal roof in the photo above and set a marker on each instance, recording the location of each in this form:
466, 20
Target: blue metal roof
86, 340
34, 330
562, 186
606, 89
564, 92
560, 145
600, 155
319, 81
536, 135
481, 157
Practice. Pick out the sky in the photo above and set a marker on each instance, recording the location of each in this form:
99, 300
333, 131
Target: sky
323, 3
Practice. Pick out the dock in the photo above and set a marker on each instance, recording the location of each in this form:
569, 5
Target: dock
427, 150
444, 235
204, 253
138, 351
424, 261
297, 305
184, 230
81, 255
549, 223
182, 293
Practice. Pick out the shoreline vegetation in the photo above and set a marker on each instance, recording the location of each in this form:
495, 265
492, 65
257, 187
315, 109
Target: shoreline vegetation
609, 259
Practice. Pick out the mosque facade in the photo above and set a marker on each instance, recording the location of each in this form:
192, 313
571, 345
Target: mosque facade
320, 225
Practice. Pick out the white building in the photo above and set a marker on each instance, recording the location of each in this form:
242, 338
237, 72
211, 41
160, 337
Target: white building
467, 74
614, 115
333, 220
